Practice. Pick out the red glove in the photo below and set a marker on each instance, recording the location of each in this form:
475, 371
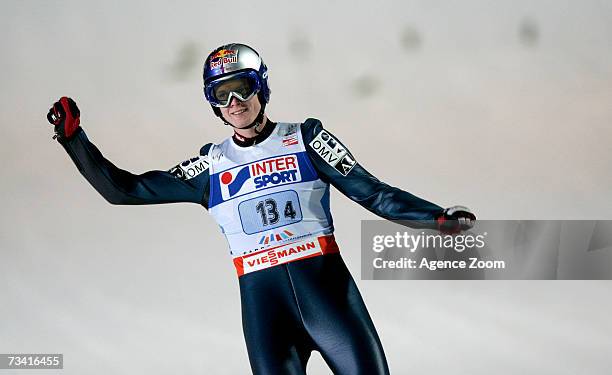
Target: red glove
65, 116
455, 219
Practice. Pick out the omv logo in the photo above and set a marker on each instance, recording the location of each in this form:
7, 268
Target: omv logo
233, 180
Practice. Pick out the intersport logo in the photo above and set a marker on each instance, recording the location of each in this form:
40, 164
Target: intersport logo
259, 175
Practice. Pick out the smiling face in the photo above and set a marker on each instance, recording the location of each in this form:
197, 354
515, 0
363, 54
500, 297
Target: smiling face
241, 114
236, 97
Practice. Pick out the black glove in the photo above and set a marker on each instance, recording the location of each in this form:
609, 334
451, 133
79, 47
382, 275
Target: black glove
65, 116
455, 219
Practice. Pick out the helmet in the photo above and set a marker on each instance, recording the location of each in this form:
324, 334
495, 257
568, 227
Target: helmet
231, 61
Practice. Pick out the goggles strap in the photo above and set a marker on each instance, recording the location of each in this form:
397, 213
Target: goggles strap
260, 118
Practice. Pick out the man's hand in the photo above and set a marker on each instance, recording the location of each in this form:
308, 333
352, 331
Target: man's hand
455, 219
65, 116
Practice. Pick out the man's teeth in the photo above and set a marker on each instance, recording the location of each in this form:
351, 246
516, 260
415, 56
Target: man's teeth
239, 112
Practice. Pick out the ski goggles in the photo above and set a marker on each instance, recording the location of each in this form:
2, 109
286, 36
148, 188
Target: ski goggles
242, 85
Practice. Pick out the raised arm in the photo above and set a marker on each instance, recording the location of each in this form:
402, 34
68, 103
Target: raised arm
187, 182
337, 166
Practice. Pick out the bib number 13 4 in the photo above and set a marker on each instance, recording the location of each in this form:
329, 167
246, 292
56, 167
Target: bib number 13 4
270, 211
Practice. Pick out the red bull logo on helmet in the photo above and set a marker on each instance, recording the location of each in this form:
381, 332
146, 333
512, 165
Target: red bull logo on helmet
222, 57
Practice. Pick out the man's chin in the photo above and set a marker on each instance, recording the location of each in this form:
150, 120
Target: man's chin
242, 124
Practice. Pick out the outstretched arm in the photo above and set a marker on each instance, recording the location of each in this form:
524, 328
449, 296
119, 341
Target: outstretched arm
187, 182
337, 166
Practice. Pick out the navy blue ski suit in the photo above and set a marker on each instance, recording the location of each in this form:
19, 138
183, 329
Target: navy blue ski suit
290, 309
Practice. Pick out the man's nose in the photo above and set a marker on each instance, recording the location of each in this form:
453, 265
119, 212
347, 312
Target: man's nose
233, 101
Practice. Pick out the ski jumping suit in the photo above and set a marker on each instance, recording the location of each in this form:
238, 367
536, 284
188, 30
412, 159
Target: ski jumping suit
271, 201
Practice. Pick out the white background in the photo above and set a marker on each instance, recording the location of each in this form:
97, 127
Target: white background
502, 106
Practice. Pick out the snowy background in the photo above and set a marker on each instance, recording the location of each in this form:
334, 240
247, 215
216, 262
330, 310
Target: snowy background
503, 106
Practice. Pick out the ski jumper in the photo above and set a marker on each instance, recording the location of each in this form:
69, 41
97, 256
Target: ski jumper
271, 201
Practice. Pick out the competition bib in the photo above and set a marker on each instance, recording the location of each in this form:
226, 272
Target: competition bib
269, 201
